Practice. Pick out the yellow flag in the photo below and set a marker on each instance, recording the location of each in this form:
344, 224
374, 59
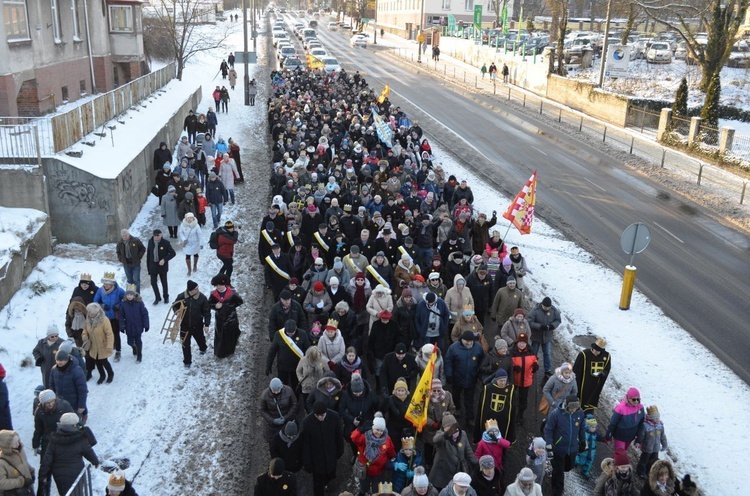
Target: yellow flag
416, 413
314, 62
384, 94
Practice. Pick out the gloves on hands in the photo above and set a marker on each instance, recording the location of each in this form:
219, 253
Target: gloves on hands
278, 421
28, 482
146, 330
516, 368
400, 466
307, 277
544, 327
38, 451
534, 367
550, 453
39, 361
105, 307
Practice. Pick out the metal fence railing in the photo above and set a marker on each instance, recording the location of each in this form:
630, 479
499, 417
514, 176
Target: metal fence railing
741, 146
58, 132
708, 135
19, 144
680, 125
83, 485
642, 118
620, 138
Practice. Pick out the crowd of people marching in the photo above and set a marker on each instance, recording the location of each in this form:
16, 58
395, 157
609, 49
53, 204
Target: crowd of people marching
380, 266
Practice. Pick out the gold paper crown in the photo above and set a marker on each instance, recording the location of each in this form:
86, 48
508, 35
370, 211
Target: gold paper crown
652, 410
332, 323
85, 277
491, 424
407, 442
109, 277
385, 488
601, 343
130, 287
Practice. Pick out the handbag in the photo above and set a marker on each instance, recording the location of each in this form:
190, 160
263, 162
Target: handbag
544, 405
20, 491
359, 469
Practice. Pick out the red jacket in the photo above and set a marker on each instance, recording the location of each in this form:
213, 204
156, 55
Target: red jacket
528, 363
387, 451
226, 245
202, 204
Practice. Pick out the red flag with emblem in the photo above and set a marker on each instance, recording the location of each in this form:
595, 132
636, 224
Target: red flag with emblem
521, 212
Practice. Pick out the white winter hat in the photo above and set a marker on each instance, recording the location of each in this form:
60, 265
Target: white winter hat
378, 422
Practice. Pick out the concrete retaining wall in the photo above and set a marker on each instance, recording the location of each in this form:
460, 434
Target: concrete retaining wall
90, 210
21, 264
24, 187
592, 101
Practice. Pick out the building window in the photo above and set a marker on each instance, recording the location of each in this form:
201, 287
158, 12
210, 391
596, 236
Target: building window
82, 86
65, 94
76, 23
56, 31
446, 4
468, 4
16, 20
121, 18
490, 6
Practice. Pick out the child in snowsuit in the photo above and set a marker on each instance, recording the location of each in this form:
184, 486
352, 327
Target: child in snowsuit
536, 459
493, 444
585, 459
407, 460
651, 438
202, 204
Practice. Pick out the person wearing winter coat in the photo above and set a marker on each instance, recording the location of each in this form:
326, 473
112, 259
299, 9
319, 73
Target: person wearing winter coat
317, 303
537, 460
420, 485
186, 205
6, 420
190, 236
453, 453
189, 125
379, 300
497, 358
487, 479
215, 194
162, 182
395, 407
109, 297
543, 320
404, 312
458, 297
507, 300
45, 350
227, 172
310, 369
468, 321
46, 416
350, 364
358, 405
253, 92
224, 300
431, 321
592, 367
480, 285
63, 461
86, 289
15, 471
134, 321
158, 254
232, 77
492, 444
211, 121
480, 231
289, 343
287, 445
169, 211
585, 459
224, 99
398, 363
515, 326
323, 445
380, 272
130, 251
316, 273
374, 450
278, 405
561, 385
277, 481
405, 271
331, 345
626, 420
661, 480
524, 484
462, 369
564, 433
67, 380
617, 478
284, 310
651, 438
162, 155
100, 335
441, 403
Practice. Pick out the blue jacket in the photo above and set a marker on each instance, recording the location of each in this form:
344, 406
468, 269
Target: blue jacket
565, 431
133, 317
5, 419
462, 364
215, 192
70, 384
110, 302
422, 318
403, 477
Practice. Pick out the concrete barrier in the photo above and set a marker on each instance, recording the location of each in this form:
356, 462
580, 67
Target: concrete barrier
31, 252
586, 98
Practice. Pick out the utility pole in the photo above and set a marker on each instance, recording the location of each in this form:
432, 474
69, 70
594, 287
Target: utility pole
255, 31
247, 55
420, 36
375, 42
605, 45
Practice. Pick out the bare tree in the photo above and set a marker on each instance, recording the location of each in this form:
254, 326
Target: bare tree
721, 19
559, 10
178, 20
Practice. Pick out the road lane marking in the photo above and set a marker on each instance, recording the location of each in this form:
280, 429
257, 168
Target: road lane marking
540, 151
594, 184
667, 231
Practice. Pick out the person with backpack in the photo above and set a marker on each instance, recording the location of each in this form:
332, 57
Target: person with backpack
225, 239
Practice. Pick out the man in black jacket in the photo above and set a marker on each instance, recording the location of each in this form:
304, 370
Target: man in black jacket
46, 416
158, 254
480, 285
277, 481
285, 309
396, 364
130, 251
290, 348
323, 445
190, 125
194, 322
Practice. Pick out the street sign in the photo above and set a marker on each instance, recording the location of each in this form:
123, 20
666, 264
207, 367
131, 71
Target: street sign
239, 57
478, 17
618, 57
635, 238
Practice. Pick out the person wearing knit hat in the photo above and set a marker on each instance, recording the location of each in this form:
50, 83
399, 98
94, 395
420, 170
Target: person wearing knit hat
374, 450
507, 300
278, 405
585, 458
420, 486
543, 320
449, 458
318, 303
488, 479
526, 484
564, 433
536, 459
561, 384
462, 361
396, 364
63, 460
45, 351
494, 407
627, 418
398, 402
514, 326
497, 358
195, 321
591, 368
617, 475
652, 438
277, 481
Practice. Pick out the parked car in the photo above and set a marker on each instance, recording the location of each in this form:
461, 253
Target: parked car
659, 53
333, 26
358, 41
346, 26
575, 48
332, 65
740, 55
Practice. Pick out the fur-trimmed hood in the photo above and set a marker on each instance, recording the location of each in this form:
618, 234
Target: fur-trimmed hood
329, 376
76, 304
653, 475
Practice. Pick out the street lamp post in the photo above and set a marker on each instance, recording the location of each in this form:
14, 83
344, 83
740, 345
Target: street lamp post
420, 36
247, 71
375, 38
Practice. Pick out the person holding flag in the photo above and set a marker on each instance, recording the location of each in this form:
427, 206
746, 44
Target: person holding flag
521, 211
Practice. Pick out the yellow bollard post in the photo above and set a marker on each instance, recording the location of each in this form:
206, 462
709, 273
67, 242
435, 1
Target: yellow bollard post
628, 283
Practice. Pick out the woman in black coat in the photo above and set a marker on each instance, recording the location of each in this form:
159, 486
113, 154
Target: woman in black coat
63, 459
162, 155
224, 301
